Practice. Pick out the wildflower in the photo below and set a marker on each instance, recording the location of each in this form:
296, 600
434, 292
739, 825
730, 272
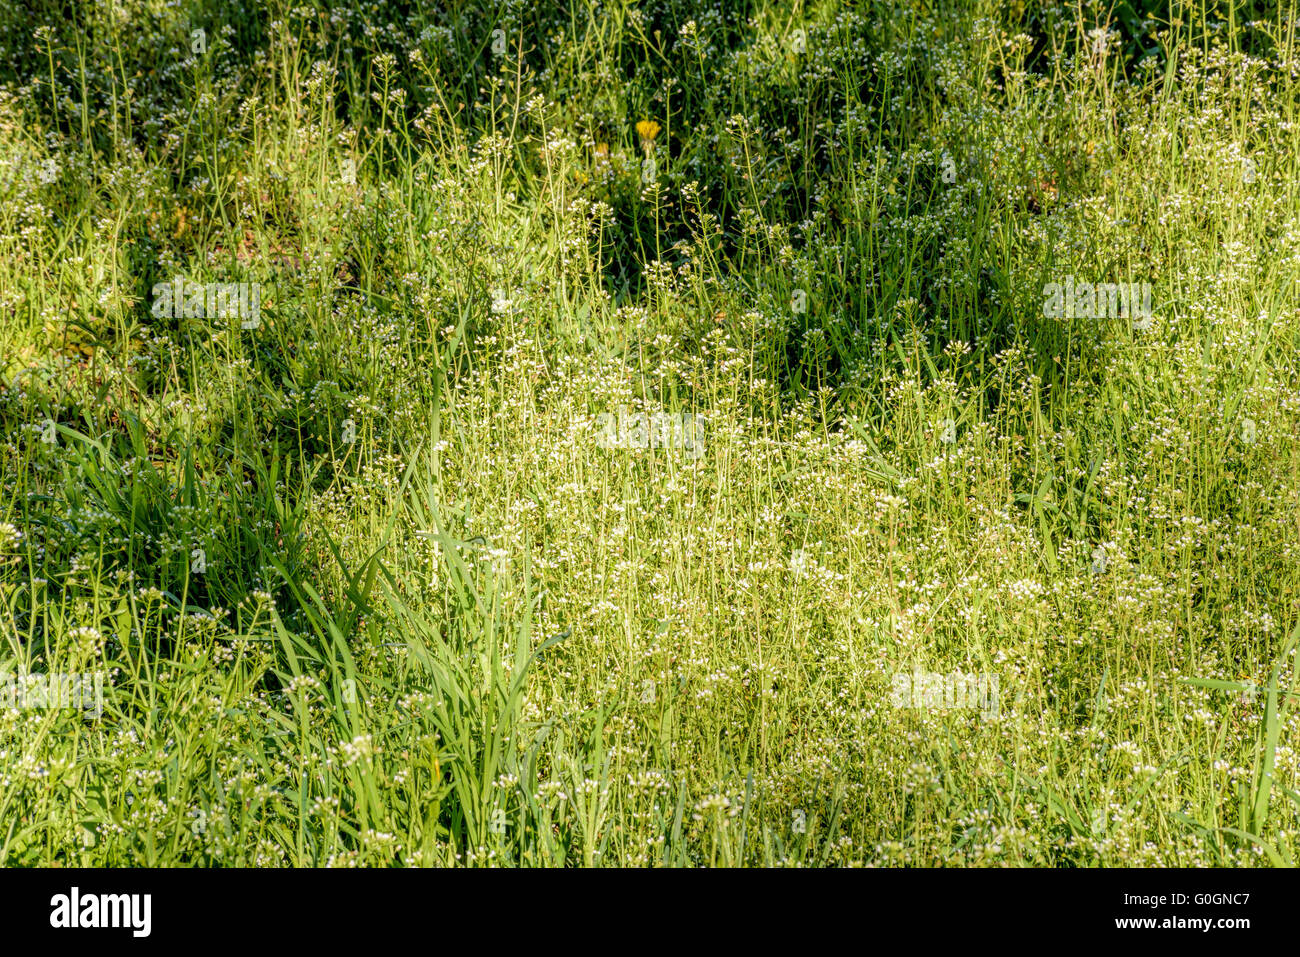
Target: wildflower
647, 130
360, 747
86, 641
9, 536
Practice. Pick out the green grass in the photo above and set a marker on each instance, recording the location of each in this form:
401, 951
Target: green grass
436, 621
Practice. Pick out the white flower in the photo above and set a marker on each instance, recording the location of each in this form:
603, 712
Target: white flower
9, 536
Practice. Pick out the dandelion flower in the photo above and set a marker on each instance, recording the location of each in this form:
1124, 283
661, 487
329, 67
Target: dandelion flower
647, 130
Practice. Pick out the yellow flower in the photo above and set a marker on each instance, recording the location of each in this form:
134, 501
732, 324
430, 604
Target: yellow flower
647, 130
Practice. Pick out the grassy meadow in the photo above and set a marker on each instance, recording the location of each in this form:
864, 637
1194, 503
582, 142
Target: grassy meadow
627, 401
